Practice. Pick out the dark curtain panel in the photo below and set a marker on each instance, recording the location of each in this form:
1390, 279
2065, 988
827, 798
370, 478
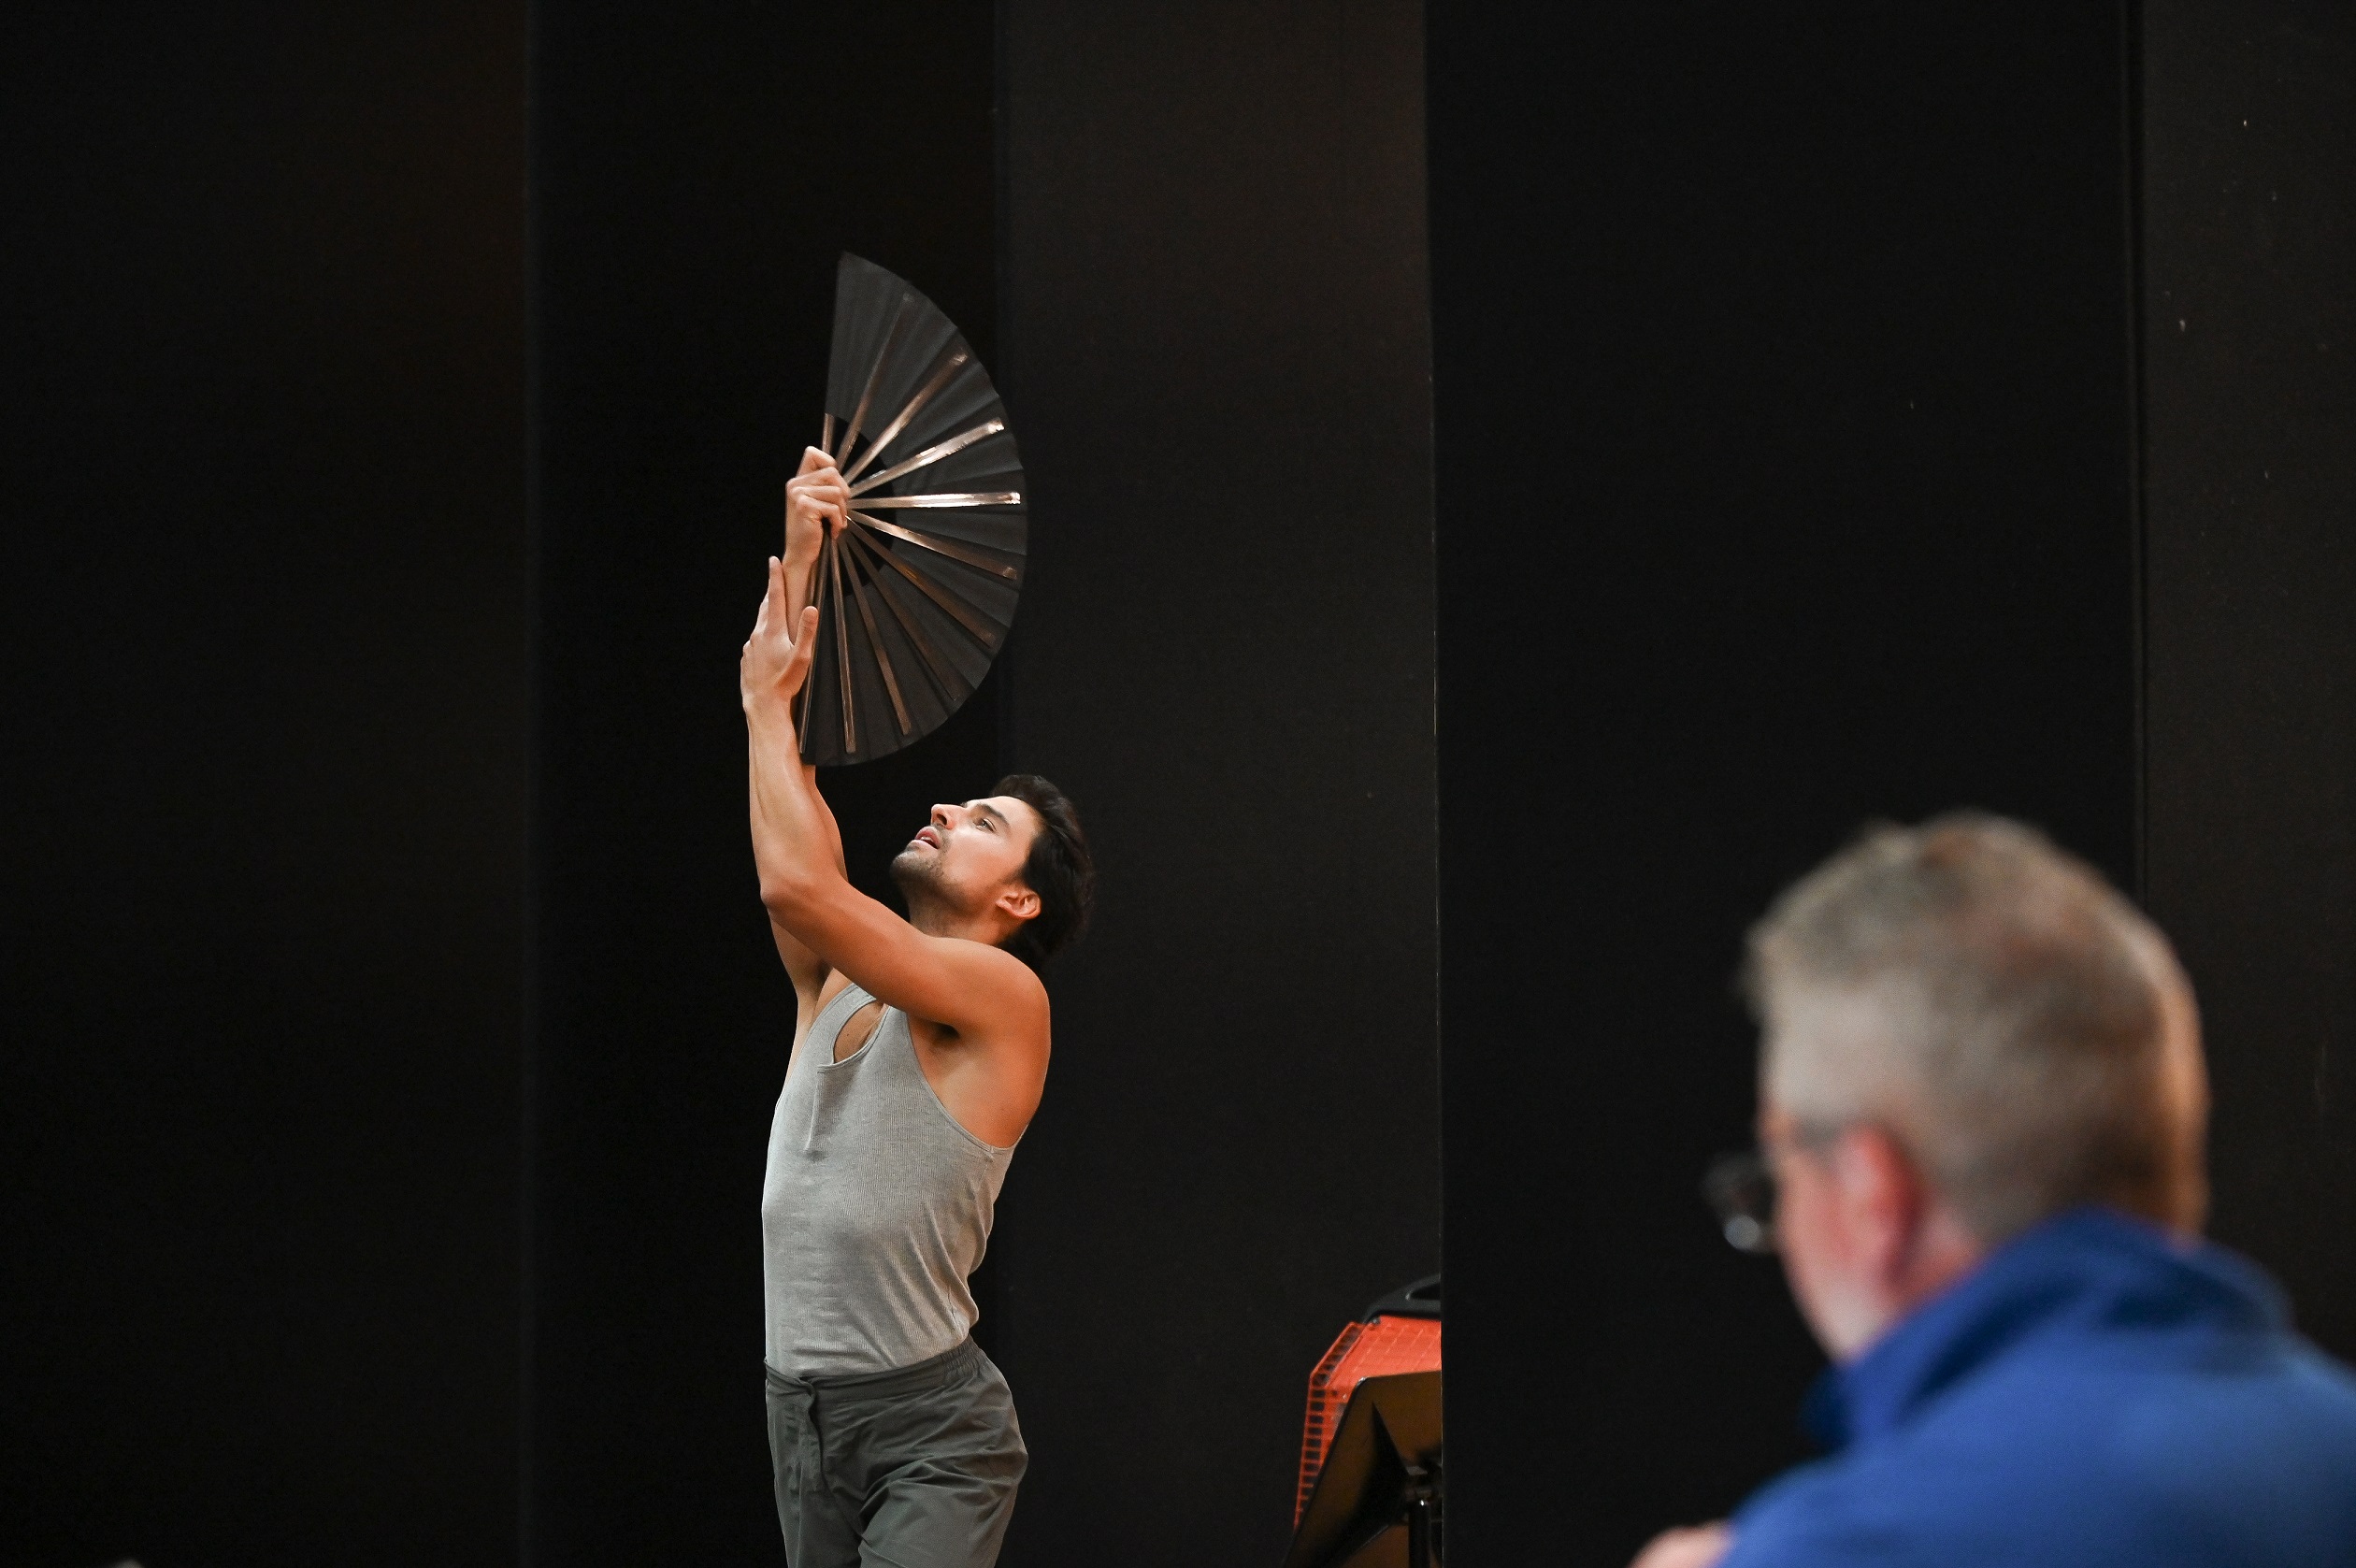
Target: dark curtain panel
697, 170
2248, 315
1215, 323
1783, 387
261, 886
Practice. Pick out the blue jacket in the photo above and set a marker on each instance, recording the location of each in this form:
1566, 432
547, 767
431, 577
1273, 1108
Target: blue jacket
2094, 1394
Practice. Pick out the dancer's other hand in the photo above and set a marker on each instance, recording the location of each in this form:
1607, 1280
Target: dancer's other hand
817, 504
1697, 1547
776, 658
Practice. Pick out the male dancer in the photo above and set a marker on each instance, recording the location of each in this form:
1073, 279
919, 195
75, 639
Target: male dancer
920, 1049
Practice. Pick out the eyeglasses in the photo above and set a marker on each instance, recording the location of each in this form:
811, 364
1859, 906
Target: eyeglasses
1741, 1187
1741, 1190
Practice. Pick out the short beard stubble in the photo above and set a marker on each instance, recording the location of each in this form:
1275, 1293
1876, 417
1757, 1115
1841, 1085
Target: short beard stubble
917, 876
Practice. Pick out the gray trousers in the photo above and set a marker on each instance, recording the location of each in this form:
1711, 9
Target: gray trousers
912, 1468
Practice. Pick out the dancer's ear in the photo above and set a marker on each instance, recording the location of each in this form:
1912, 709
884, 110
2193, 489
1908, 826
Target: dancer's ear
1019, 901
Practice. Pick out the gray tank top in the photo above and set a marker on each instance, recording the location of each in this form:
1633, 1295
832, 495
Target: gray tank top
876, 1207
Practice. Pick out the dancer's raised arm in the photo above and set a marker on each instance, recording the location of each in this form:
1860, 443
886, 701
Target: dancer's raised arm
952, 971
816, 499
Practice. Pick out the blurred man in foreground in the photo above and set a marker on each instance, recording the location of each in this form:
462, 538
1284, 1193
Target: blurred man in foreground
1983, 1107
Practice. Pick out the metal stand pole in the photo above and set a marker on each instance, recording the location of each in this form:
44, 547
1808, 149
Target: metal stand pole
1419, 1533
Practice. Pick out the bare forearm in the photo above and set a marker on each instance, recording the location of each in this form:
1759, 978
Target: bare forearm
795, 837
801, 575
796, 848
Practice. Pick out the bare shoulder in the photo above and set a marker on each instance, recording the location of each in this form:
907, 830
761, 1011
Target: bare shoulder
990, 1069
1017, 994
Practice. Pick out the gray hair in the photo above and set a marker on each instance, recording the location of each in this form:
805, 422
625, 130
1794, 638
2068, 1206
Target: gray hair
2013, 1021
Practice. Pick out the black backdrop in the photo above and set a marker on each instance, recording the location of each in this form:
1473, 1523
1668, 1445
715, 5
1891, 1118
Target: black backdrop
697, 168
1213, 230
261, 881
1820, 327
2250, 249
1784, 453
1238, 1149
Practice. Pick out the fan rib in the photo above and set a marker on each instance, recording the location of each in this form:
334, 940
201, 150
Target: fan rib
875, 374
959, 612
950, 498
945, 679
826, 440
931, 455
804, 706
875, 645
842, 649
924, 396
954, 552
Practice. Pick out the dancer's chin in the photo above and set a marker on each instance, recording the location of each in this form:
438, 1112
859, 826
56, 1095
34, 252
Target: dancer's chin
916, 868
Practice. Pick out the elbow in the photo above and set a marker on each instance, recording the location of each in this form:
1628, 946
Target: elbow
785, 895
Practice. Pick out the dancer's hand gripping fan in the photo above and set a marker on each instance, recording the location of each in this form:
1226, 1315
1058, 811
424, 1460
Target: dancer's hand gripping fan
916, 593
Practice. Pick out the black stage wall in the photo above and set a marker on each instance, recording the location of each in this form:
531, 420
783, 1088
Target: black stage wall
261, 884
696, 171
1783, 449
1214, 250
2249, 317
1224, 653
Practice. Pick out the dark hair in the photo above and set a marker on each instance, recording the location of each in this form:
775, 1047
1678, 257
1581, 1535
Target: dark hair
1059, 870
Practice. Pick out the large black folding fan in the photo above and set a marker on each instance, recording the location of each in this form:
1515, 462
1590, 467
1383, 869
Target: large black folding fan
916, 593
